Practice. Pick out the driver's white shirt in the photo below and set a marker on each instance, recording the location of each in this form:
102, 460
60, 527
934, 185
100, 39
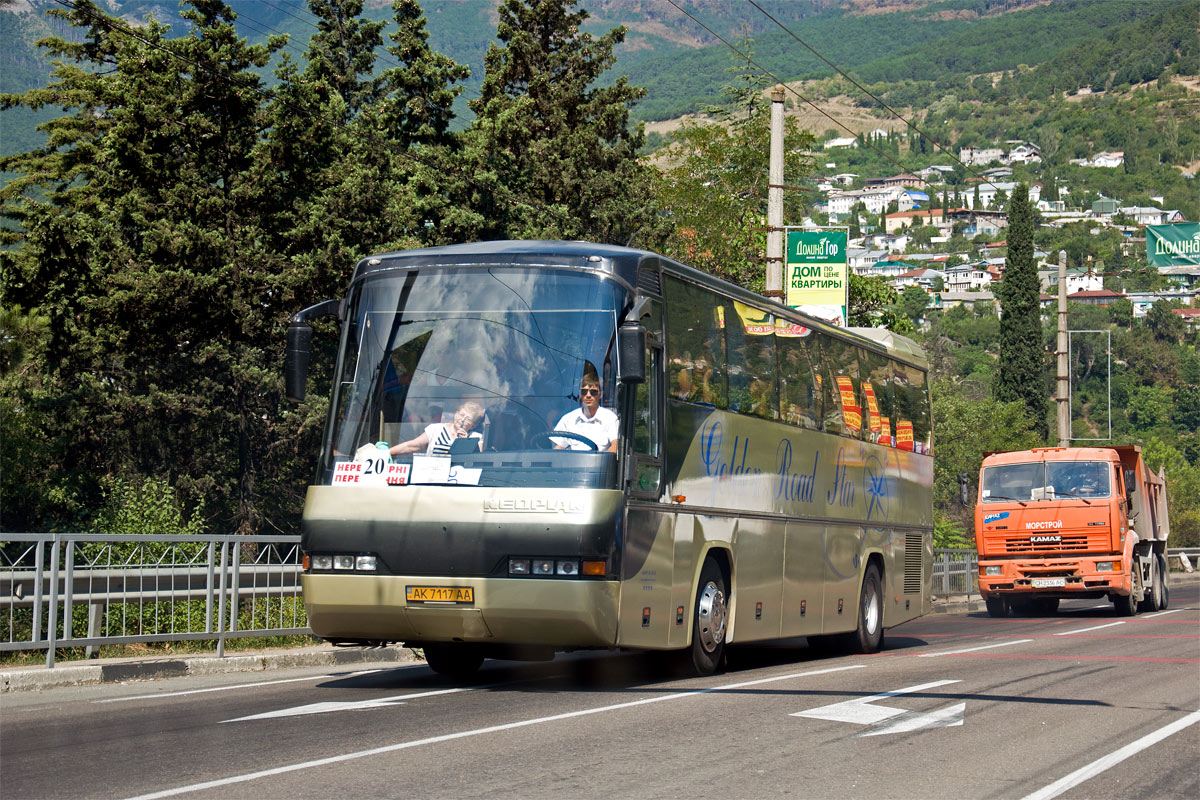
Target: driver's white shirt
600, 428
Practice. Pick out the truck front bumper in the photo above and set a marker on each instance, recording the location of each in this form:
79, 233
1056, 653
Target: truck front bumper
1054, 578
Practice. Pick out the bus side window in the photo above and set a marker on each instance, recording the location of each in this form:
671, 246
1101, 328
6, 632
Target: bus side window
695, 344
750, 349
799, 392
841, 366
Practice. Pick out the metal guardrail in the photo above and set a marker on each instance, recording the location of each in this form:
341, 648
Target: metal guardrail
126, 589
180, 588
956, 572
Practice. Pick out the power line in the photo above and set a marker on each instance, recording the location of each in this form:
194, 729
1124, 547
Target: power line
892, 111
773, 77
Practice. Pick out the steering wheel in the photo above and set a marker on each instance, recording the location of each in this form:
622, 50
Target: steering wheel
536, 438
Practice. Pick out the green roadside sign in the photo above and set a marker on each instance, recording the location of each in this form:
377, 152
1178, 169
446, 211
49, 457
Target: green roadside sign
816, 275
1173, 245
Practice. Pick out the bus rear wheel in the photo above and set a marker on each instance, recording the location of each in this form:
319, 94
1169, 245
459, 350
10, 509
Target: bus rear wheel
868, 637
708, 622
459, 662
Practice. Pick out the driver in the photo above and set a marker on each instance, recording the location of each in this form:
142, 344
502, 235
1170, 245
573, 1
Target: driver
591, 420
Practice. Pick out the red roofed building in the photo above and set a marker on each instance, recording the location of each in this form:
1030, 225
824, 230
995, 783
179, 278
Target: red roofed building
1097, 297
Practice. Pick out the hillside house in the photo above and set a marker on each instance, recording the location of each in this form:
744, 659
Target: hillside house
1079, 279
885, 269
948, 299
845, 141
914, 219
980, 156
989, 190
967, 277
1095, 297
1144, 215
861, 258
902, 181
874, 200
923, 277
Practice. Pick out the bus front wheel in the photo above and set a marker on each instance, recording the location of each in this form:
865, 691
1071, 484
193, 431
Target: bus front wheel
708, 621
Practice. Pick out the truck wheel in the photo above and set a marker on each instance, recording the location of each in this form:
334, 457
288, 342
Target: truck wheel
1164, 575
996, 607
459, 662
1125, 605
708, 622
1153, 598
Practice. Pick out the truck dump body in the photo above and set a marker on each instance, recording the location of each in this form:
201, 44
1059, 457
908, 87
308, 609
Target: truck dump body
1054, 523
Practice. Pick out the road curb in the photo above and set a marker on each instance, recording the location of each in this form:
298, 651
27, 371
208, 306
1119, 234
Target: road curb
25, 679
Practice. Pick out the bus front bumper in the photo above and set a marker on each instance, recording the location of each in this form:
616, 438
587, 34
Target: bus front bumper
548, 612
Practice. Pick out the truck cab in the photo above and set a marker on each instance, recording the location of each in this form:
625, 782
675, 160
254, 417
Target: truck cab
1062, 522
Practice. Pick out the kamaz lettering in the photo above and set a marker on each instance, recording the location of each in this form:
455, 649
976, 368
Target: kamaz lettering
1054, 539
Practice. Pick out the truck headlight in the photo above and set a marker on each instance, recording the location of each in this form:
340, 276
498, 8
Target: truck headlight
996, 570
1104, 566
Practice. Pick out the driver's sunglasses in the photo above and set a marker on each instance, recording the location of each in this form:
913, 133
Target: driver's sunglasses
589, 391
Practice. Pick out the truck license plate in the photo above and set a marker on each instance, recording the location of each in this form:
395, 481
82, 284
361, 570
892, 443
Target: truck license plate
1048, 583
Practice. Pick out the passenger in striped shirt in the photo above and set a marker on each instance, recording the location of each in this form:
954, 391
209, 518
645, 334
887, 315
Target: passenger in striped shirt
438, 437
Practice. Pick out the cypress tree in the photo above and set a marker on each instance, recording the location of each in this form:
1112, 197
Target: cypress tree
552, 153
1021, 370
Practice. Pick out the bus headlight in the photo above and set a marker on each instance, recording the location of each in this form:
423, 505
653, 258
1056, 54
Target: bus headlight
366, 564
322, 562
567, 568
518, 566
343, 562
543, 566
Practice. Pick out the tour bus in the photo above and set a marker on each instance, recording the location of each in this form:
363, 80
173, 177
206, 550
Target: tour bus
771, 475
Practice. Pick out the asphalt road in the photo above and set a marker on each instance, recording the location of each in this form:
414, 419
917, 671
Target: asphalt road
1080, 704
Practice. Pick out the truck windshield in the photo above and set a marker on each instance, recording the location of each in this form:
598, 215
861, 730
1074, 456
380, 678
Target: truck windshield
1046, 480
478, 365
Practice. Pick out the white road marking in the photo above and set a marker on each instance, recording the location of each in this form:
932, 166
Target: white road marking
1161, 613
237, 686
358, 705
973, 649
948, 717
1112, 759
1085, 630
863, 711
320, 762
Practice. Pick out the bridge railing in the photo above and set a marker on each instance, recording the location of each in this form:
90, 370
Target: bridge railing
84, 589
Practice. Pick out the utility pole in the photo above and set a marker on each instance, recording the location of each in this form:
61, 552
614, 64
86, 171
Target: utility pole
775, 201
1063, 398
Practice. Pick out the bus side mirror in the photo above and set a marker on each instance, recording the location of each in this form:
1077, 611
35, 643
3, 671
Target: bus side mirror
631, 350
295, 357
964, 488
295, 361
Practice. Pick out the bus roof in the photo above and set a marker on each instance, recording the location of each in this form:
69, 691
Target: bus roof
626, 264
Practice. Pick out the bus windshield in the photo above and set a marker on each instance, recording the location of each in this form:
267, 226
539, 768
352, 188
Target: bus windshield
1046, 480
479, 364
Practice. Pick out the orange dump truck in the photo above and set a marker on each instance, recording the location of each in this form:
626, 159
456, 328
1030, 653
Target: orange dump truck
1063, 522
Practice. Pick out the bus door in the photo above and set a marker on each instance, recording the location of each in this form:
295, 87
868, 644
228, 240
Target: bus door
647, 618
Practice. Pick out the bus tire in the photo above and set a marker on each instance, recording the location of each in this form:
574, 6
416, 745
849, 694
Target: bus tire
868, 637
459, 662
709, 619
1164, 576
996, 607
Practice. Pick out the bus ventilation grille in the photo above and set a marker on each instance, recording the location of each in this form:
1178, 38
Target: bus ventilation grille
913, 547
650, 281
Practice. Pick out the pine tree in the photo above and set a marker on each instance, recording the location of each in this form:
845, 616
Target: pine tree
1021, 369
552, 152
151, 265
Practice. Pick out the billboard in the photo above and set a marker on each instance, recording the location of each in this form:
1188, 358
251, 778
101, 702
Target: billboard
816, 277
1173, 245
